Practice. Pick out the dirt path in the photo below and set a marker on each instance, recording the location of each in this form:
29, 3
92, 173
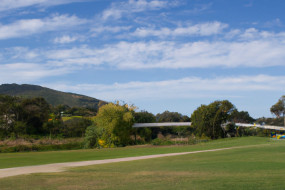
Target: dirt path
59, 167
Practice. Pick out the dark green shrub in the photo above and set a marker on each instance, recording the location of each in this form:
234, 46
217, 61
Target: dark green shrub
38, 147
158, 141
92, 136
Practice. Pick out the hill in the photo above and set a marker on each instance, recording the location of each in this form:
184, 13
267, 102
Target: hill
53, 97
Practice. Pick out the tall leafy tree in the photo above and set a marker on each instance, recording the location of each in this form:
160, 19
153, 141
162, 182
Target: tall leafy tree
7, 113
36, 113
168, 116
143, 117
241, 117
115, 124
75, 127
11, 116
207, 119
278, 109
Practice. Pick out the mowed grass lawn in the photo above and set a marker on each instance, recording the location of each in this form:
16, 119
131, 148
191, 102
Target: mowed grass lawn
252, 167
8, 160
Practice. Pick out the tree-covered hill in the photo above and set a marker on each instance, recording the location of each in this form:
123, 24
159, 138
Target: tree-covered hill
53, 97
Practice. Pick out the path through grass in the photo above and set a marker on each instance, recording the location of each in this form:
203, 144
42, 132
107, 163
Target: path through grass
260, 167
8, 160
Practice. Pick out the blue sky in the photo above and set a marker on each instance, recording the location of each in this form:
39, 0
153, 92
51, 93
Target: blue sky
158, 55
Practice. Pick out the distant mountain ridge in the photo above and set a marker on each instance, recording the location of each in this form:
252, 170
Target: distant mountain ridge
53, 97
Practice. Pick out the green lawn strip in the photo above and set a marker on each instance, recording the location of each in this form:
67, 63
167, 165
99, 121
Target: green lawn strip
8, 160
260, 167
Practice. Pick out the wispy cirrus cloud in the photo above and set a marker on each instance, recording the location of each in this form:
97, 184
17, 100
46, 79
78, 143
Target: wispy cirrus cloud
264, 52
109, 29
26, 27
263, 49
199, 8
189, 87
65, 39
117, 10
7, 5
248, 49
201, 29
17, 53
255, 34
29, 72
274, 23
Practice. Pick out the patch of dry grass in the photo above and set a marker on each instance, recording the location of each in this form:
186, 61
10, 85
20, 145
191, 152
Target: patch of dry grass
42, 141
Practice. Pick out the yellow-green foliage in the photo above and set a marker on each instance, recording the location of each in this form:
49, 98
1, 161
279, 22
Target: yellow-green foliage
71, 117
115, 122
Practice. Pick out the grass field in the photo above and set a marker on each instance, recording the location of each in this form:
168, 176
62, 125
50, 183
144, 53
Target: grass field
259, 167
8, 160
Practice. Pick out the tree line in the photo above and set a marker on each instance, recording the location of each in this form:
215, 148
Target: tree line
111, 124
35, 117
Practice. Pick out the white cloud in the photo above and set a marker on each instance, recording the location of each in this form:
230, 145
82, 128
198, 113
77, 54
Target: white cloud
202, 29
18, 53
6, 5
232, 33
28, 72
118, 9
254, 34
75, 56
200, 8
111, 29
250, 33
28, 27
250, 48
65, 39
261, 49
201, 54
274, 23
190, 87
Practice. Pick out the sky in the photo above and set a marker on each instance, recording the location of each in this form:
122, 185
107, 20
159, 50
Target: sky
158, 55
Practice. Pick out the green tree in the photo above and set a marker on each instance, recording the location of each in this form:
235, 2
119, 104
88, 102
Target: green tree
36, 113
92, 137
53, 126
115, 125
207, 119
278, 109
185, 118
79, 111
10, 113
241, 117
20, 128
278, 121
168, 116
143, 117
75, 127
59, 109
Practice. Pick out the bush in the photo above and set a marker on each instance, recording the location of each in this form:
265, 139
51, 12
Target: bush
159, 141
38, 147
115, 122
92, 137
192, 140
75, 127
